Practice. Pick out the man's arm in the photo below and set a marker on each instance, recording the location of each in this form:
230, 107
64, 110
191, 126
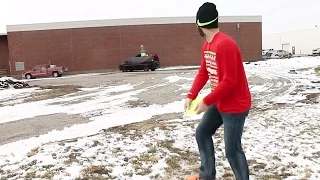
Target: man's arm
228, 54
200, 80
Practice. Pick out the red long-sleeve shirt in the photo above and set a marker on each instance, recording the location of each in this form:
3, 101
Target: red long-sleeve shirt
222, 64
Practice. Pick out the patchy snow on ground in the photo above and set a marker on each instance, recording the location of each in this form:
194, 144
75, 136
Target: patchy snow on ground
281, 137
176, 78
104, 110
16, 93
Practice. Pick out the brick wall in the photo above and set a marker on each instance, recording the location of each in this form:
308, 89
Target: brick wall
85, 49
4, 52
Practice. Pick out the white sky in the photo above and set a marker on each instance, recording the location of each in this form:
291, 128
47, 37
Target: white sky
278, 15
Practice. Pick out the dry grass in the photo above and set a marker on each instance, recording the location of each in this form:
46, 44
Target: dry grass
95, 172
33, 152
307, 173
30, 175
63, 142
96, 143
173, 162
227, 175
311, 98
259, 166
55, 91
256, 166
283, 174
270, 177
141, 127
47, 175
303, 69
72, 158
317, 70
143, 163
180, 162
275, 106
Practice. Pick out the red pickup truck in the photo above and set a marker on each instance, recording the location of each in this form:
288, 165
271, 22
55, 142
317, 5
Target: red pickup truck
44, 71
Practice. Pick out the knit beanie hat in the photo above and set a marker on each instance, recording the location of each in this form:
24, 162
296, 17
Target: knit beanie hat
207, 16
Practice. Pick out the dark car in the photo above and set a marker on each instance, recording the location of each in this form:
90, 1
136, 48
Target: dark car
150, 62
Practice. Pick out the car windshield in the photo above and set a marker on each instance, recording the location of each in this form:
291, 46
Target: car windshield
37, 68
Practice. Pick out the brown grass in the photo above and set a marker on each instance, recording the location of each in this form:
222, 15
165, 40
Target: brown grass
142, 127
308, 172
182, 162
259, 166
30, 175
33, 152
55, 91
227, 175
96, 143
317, 70
303, 69
311, 98
270, 177
175, 161
95, 172
47, 175
275, 106
72, 158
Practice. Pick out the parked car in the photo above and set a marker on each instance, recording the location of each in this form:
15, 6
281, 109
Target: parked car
265, 51
44, 71
279, 54
316, 52
146, 63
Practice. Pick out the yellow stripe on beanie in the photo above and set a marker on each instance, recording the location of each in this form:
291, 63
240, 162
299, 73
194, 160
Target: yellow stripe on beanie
205, 23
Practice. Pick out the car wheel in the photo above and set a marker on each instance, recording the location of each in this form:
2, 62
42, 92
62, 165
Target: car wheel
153, 69
28, 76
55, 74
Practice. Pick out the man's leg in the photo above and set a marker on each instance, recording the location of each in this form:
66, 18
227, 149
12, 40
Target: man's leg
233, 128
208, 125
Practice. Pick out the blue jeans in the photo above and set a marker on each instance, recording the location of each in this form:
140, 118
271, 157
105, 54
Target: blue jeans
233, 128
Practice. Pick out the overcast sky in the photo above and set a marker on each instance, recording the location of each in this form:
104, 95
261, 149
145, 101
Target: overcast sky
278, 15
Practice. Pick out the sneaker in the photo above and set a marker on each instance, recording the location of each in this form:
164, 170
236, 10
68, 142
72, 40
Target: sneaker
195, 177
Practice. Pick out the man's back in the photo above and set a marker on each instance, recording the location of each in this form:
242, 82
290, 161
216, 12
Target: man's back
230, 74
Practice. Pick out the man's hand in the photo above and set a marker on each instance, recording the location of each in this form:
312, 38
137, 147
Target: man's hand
187, 103
201, 107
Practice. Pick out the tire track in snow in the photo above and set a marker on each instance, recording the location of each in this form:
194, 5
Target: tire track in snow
274, 84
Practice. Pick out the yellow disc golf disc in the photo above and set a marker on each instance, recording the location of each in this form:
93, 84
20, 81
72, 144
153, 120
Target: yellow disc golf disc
193, 105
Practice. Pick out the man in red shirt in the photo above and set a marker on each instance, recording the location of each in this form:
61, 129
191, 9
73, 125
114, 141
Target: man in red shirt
229, 101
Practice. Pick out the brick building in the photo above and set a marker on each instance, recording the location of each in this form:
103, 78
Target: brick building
4, 54
104, 44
